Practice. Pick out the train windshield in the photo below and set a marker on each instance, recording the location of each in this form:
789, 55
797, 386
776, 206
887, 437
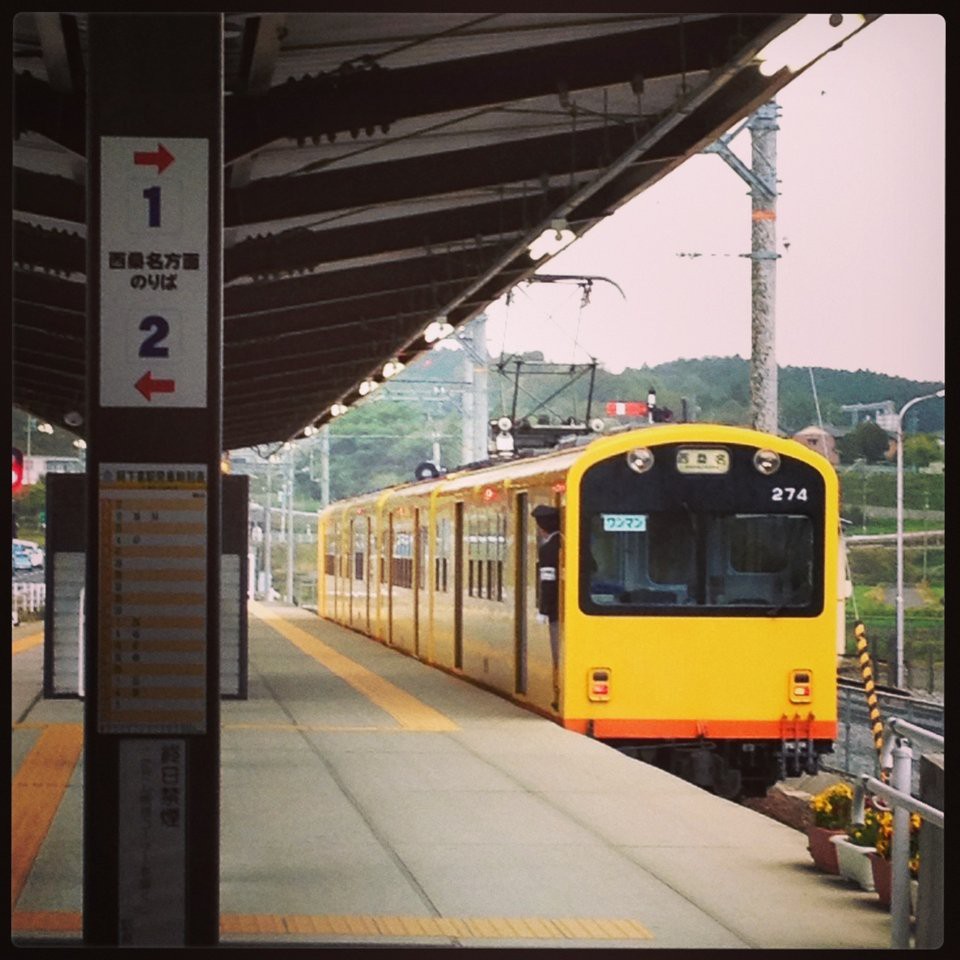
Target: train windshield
671, 543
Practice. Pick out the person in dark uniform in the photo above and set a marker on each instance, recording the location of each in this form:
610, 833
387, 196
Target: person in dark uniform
548, 583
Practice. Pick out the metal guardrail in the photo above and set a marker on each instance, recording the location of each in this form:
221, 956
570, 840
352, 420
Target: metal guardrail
898, 758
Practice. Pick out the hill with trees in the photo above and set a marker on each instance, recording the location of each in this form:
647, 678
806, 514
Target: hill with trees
410, 419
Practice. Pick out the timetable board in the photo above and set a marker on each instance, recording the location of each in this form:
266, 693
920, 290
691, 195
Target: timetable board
153, 598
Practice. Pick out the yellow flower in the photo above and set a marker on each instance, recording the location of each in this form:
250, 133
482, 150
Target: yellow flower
832, 806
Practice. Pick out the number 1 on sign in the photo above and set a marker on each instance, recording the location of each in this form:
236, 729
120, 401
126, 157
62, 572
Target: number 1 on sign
152, 196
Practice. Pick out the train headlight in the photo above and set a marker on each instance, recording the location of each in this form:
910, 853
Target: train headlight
598, 684
801, 686
767, 462
505, 424
640, 459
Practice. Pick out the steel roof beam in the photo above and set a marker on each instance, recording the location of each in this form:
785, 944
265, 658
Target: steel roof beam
365, 99
533, 158
302, 249
280, 198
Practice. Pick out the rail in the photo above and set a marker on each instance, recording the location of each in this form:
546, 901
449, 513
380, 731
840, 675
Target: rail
898, 758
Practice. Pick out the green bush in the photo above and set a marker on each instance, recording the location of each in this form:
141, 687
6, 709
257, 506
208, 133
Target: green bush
872, 564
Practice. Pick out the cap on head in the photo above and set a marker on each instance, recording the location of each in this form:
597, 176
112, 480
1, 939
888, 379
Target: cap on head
548, 518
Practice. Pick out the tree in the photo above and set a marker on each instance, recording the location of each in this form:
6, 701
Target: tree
920, 450
866, 440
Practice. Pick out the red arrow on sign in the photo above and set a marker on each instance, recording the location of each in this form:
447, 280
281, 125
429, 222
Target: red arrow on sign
161, 159
148, 386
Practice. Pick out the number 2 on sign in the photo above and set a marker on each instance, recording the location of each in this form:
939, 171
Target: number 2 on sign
160, 330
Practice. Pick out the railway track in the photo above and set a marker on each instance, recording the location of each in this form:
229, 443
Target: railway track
855, 752
852, 705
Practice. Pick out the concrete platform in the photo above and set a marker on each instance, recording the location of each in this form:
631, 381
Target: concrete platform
369, 799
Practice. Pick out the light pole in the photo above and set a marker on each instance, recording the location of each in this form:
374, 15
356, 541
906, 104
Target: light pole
930, 396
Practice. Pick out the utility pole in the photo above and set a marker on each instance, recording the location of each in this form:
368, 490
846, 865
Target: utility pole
324, 465
762, 179
476, 405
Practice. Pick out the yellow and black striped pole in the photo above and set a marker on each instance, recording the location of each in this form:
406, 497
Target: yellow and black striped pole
866, 671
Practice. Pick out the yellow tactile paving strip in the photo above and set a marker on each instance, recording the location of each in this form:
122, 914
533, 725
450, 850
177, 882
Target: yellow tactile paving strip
407, 710
38, 788
27, 643
42, 779
458, 928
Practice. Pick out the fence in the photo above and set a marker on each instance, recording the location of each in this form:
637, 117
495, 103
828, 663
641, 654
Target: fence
28, 598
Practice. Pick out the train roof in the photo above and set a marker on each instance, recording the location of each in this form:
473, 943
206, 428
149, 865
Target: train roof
560, 460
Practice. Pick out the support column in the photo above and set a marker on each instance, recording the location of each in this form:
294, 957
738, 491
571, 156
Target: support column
152, 709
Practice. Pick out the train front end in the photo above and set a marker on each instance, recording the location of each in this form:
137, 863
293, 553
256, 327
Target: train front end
700, 602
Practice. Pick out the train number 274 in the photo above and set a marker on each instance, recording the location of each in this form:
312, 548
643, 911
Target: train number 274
788, 493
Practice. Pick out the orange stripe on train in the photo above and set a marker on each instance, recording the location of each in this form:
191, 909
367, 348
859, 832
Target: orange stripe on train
606, 729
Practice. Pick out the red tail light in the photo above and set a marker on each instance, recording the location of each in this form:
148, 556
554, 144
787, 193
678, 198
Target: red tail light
801, 686
598, 684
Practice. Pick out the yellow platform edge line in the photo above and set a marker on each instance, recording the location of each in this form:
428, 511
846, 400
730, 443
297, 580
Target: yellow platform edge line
27, 643
407, 710
36, 792
464, 928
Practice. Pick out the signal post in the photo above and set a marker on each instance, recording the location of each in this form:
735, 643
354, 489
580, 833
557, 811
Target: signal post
151, 712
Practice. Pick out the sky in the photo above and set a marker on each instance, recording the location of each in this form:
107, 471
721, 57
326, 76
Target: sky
860, 230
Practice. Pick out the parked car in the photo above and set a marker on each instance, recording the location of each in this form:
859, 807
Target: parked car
21, 559
33, 550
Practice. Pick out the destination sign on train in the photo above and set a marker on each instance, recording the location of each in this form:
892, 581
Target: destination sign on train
702, 460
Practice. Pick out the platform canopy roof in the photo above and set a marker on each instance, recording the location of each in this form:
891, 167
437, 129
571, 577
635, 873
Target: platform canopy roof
384, 171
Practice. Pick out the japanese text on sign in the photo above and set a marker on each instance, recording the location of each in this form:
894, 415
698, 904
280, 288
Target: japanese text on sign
153, 272
153, 598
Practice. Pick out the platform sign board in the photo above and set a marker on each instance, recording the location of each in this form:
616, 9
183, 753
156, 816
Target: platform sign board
152, 843
153, 600
153, 271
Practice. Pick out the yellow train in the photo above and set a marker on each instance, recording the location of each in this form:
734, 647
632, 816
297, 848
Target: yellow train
698, 582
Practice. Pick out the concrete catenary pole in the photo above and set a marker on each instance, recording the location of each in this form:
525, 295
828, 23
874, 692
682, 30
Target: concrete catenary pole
476, 404
763, 361
762, 179
325, 465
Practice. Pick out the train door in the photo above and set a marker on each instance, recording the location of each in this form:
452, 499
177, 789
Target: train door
458, 585
520, 596
418, 542
371, 567
336, 553
351, 568
390, 572
358, 571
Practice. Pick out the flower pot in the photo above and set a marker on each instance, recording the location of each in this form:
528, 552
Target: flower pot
854, 862
881, 877
824, 853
